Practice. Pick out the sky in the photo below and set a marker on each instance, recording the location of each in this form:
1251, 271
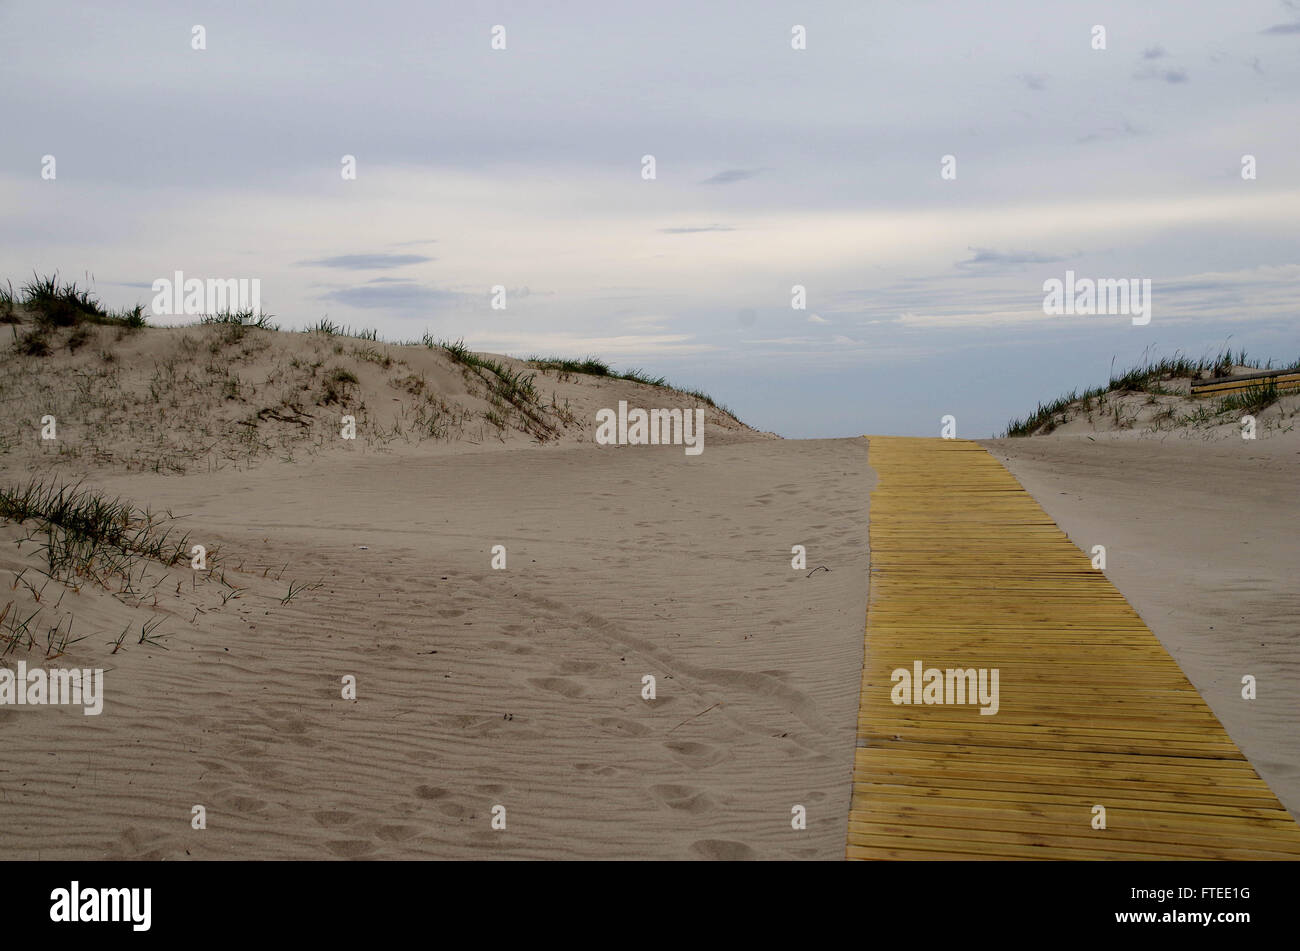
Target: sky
774, 166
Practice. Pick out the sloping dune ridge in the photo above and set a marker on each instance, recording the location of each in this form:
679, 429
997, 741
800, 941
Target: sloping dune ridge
475, 687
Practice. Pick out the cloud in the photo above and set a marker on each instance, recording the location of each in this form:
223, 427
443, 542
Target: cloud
1167, 75
367, 262
730, 175
784, 341
988, 259
697, 230
392, 294
1153, 52
814, 319
1034, 81
1125, 128
638, 345
1282, 29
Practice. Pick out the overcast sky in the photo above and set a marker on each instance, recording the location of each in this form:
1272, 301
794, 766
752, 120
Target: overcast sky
522, 167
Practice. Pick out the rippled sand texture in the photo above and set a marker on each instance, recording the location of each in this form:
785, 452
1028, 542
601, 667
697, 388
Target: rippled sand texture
478, 687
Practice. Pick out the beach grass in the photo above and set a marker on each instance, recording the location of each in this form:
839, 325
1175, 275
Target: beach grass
1153, 377
87, 533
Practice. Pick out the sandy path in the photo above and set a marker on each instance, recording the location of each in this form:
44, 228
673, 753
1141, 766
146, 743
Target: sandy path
1201, 538
477, 687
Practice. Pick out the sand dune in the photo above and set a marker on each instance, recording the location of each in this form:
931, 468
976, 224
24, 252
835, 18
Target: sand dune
476, 687
208, 397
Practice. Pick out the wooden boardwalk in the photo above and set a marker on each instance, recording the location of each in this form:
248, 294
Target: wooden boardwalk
1281, 379
968, 572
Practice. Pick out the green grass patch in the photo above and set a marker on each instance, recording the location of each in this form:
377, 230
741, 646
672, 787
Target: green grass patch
7, 302
1252, 399
328, 328
336, 386
57, 305
240, 318
591, 366
88, 534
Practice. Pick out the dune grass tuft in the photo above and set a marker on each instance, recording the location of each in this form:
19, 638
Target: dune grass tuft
504, 385
7, 303
328, 328
1252, 399
87, 533
594, 366
591, 366
1150, 376
58, 305
240, 318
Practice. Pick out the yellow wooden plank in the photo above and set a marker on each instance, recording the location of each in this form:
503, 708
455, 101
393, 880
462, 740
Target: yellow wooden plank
1281, 380
968, 571
1099, 845
1010, 758
1267, 833
1077, 826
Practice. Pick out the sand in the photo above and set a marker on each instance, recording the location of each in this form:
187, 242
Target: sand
522, 687
477, 687
1201, 538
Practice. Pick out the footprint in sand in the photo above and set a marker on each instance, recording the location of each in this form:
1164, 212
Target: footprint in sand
290, 725
723, 850
421, 756
565, 688
455, 810
696, 754
350, 848
246, 805
690, 799
135, 844
578, 667
621, 725
331, 819
396, 833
